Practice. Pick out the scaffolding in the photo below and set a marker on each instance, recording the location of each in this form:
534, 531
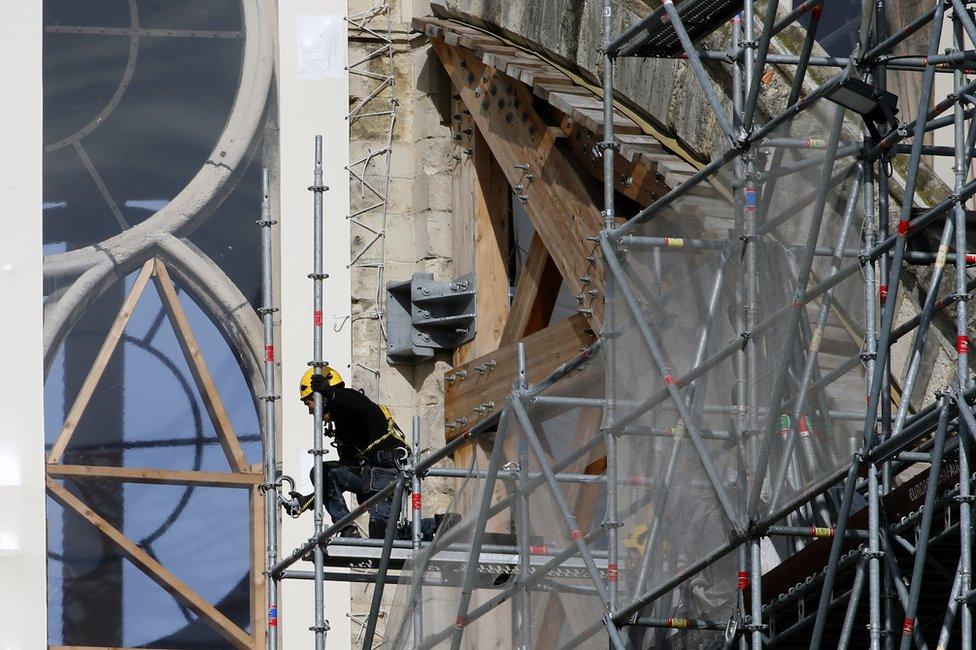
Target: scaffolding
776, 472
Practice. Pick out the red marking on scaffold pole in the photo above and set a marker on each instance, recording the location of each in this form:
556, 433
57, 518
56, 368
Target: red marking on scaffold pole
908, 626
538, 550
612, 572
317, 318
269, 353
883, 293
962, 344
415, 499
668, 379
817, 10
743, 580
576, 535
970, 258
902, 227
804, 429
459, 622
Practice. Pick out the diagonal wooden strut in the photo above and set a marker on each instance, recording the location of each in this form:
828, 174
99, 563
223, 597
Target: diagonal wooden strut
98, 366
156, 571
198, 368
535, 294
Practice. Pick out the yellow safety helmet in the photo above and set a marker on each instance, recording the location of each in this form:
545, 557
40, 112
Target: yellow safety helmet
305, 386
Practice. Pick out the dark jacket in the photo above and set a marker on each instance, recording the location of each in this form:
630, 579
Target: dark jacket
357, 422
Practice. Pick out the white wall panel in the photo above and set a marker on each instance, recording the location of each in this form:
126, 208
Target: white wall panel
312, 101
22, 539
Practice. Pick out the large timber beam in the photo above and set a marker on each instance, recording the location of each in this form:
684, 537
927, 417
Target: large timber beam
481, 223
525, 146
480, 387
535, 294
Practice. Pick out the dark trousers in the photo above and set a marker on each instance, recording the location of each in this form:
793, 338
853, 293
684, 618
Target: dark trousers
364, 481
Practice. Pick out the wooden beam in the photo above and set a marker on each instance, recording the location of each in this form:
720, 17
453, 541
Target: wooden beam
556, 199
468, 388
481, 223
535, 294
463, 188
101, 362
198, 368
259, 597
156, 571
157, 476
490, 196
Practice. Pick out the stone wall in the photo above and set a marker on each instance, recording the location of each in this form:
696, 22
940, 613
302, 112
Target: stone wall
418, 235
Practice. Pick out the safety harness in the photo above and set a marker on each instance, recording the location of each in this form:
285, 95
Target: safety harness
392, 431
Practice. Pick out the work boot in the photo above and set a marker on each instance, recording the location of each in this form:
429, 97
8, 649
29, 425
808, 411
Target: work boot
446, 521
350, 531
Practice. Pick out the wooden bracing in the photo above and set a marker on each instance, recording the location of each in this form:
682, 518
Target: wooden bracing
543, 130
241, 476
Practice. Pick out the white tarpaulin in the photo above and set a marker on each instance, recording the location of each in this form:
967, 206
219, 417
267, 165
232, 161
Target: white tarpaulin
321, 46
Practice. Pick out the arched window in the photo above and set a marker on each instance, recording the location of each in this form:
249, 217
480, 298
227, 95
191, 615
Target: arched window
154, 128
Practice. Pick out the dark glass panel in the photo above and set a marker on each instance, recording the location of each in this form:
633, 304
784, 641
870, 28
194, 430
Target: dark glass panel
224, 15
74, 210
95, 13
81, 74
168, 121
230, 237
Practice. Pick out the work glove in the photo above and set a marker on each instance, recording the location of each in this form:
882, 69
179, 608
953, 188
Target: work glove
320, 384
297, 504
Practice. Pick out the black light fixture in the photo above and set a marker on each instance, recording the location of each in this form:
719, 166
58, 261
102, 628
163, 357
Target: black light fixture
875, 105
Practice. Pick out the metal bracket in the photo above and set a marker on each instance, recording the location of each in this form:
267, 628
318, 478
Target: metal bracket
424, 316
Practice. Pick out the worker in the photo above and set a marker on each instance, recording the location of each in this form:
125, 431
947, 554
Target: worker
370, 446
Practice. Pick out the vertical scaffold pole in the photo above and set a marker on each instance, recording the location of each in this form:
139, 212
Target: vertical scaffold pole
873, 553
740, 362
884, 589
608, 148
747, 204
317, 188
271, 512
921, 548
524, 531
961, 170
416, 502
755, 592
965, 520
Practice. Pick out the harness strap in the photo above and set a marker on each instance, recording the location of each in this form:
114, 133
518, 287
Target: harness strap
392, 431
